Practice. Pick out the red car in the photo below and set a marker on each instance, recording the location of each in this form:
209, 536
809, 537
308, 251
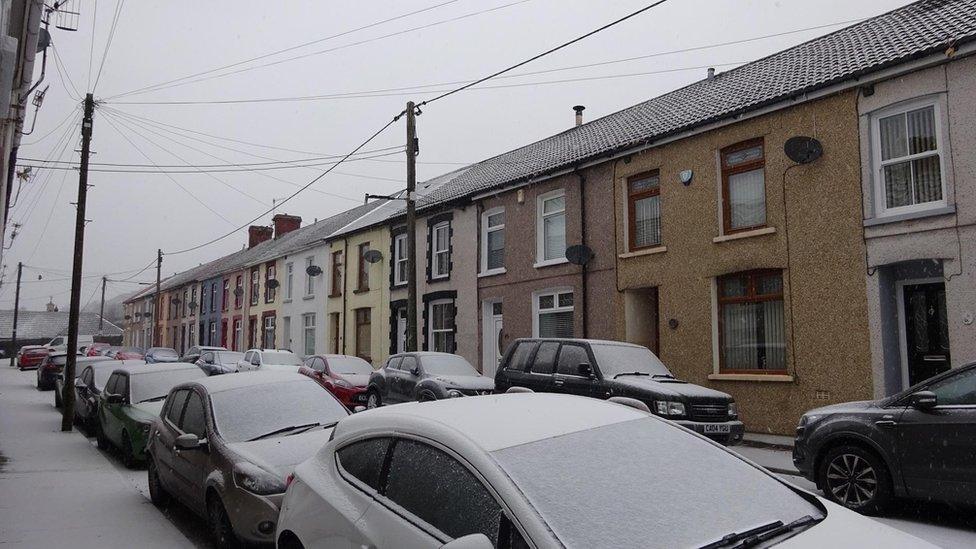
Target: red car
130, 353
344, 376
96, 349
31, 356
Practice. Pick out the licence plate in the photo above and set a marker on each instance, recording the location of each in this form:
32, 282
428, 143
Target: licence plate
361, 397
716, 428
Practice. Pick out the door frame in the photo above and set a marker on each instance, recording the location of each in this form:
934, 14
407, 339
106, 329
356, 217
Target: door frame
902, 321
488, 326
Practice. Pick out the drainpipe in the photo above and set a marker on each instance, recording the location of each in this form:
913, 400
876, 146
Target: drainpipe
345, 270
583, 273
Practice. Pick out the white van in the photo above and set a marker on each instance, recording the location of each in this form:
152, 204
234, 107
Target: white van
60, 343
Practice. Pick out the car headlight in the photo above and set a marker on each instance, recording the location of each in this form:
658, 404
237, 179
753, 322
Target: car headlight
667, 408
257, 480
343, 383
454, 393
733, 410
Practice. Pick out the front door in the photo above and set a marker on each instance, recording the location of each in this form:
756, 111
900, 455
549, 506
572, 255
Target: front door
926, 331
401, 330
492, 338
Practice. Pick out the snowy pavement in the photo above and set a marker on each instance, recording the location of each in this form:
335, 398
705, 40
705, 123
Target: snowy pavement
58, 490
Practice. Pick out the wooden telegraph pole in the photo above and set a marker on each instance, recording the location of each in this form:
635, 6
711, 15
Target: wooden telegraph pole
101, 308
68, 394
156, 341
412, 151
13, 335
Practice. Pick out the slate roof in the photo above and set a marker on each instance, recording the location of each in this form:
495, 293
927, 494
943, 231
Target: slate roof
895, 37
33, 325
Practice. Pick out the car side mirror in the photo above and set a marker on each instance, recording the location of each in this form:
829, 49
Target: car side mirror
923, 400
415, 370
79, 384
114, 399
471, 541
586, 370
255, 362
189, 441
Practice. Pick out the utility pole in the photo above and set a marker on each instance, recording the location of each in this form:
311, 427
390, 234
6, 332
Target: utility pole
155, 324
412, 151
68, 395
13, 347
101, 308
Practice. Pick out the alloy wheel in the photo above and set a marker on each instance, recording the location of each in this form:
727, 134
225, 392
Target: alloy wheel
220, 528
372, 401
157, 494
852, 480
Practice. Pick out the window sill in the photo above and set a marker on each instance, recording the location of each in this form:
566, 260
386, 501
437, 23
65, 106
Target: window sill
645, 251
286, 300
744, 234
550, 262
492, 272
782, 378
359, 291
308, 297
895, 218
335, 295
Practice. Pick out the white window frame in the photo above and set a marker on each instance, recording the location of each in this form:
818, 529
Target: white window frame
400, 259
309, 280
435, 252
485, 230
880, 204
270, 322
306, 329
540, 245
289, 279
430, 328
557, 309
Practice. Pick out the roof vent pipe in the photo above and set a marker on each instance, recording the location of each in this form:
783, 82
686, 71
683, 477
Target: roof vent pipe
711, 73
579, 114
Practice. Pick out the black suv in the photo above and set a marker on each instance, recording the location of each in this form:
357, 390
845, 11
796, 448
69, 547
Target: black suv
919, 443
604, 369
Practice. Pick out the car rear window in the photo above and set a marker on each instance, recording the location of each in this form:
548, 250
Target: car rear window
521, 355
156, 385
545, 358
364, 460
684, 490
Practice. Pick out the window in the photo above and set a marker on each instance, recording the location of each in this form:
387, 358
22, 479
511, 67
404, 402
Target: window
545, 358
336, 274
289, 279
213, 333
225, 303
186, 305
442, 326
238, 327
521, 355
239, 292
743, 186
309, 279
570, 358
363, 334
112, 384
255, 284
334, 322
269, 332
286, 333
554, 314
394, 363
122, 387
957, 390
908, 163
493, 240
364, 460
213, 297
176, 403
400, 259
551, 227
752, 334
269, 289
194, 420
440, 256
644, 210
203, 297
362, 280
441, 491
309, 338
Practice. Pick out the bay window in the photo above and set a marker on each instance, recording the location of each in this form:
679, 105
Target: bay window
751, 324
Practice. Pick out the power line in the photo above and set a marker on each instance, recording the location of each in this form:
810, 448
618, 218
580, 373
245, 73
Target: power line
64, 75
108, 43
56, 128
344, 46
91, 51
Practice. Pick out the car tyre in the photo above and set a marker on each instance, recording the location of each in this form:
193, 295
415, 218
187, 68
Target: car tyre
220, 526
128, 456
426, 396
856, 478
373, 399
157, 494
100, 438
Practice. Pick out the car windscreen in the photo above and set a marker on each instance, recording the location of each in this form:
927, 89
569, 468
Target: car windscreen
447, 365
59, 360
135, 350
101, 376
247, 413
349, 366
610, 486
281, 358
156, 385
164, 353
614, 360
227, 357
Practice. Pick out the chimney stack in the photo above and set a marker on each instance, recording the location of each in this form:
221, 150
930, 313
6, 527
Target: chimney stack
579, 114
257, 234
711, 73
284, 224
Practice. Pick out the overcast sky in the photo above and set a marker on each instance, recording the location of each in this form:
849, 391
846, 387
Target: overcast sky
155, 42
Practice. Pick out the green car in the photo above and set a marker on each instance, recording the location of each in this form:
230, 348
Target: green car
132, 399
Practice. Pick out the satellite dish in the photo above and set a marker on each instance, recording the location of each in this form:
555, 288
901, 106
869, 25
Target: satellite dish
578, 254
193, 305
803, 150
176, 301
313, 270
273, 283
238, 291
373, 256
127, 317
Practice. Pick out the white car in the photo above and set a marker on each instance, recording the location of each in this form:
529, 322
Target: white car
59, 344
547, 470
269, 360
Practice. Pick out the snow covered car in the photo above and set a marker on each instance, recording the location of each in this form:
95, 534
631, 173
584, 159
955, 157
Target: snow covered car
80, 363
409, 377
224, 446
95, 371
344, 376
548, 470
269, 359
131, 400
219, 362
31, 356
161, 354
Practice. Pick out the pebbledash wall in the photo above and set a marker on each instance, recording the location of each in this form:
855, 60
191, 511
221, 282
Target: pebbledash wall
815, 243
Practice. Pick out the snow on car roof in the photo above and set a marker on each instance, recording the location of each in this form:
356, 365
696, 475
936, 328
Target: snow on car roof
136, 367
494, 422
216, 384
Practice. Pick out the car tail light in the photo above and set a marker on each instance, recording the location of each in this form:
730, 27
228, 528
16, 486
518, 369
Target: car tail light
289, 479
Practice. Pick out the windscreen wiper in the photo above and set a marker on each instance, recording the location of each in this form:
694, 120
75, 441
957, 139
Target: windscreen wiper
752, 541
730, 539
666, 376
631, 374
283, 430
153, 399
305, 428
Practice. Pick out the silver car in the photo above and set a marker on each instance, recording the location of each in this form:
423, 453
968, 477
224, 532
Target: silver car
224, 445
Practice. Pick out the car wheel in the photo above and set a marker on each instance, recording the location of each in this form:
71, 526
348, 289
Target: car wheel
426, 397
157, 494
100, 438
220, 527
373, 400
856, 478
128, 456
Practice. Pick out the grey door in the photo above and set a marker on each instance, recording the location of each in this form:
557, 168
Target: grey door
926, 331
166, 434
190, 466
568, 378
407, 383
540, 377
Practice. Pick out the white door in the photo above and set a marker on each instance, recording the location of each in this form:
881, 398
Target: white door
401, 330
492, 338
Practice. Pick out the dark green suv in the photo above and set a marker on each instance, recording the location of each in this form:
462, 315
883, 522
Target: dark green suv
131, 400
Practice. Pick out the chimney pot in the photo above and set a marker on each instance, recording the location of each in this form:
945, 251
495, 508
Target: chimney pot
284, 224
579, 114
257, 234
711, 73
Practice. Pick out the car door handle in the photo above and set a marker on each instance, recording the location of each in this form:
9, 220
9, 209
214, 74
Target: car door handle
559, 382
885, 423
